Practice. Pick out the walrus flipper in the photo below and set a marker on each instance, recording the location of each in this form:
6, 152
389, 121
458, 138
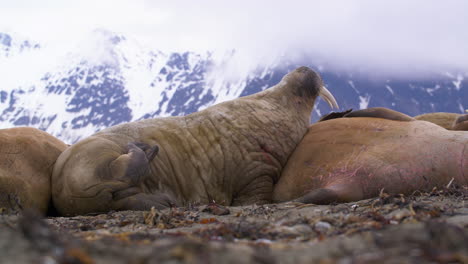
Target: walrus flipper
135, 165
10, 200
380, 112
137, 161
334, 115
336, 193
144, 201
319, 196
151, 152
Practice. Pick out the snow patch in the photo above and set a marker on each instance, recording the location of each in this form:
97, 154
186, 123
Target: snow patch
390, 89
458, 82
462, 109
364, 101
97, 48
317, 111
351, 83
432, 90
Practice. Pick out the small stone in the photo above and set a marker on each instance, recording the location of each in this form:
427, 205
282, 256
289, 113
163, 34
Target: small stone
322, 226
399, 214
303, 229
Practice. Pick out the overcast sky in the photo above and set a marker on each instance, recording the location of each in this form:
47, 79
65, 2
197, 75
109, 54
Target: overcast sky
395, 36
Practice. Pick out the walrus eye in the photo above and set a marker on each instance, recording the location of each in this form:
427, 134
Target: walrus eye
328, 97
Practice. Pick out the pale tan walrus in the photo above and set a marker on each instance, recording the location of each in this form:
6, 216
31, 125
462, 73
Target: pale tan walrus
450, 121
27, 156
231, 153
349, 159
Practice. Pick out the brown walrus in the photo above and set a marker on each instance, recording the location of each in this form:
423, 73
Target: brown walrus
445, 120
231, 153
27, 156
349, 159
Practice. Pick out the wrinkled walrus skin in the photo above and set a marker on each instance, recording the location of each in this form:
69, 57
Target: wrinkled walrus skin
349, 159
231, 153
27, 156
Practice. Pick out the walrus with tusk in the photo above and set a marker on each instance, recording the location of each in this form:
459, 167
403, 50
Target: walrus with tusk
354, 156
27, 157
231, 153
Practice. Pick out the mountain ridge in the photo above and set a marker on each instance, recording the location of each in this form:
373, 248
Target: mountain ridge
111, 79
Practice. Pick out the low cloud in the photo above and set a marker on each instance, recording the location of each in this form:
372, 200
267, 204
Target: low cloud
386, 37
396, 37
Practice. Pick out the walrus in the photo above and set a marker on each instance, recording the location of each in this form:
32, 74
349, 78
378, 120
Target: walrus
443, 119
231, 153
350, 159
27, 156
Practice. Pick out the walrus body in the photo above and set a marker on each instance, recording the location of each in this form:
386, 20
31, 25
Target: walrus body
349, 159
445, 120
231, 153
27, 156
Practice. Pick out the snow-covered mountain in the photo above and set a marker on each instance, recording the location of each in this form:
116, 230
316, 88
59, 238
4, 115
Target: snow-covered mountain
109, 79
12, 46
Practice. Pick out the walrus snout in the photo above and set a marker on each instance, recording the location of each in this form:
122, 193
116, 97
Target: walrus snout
308, 83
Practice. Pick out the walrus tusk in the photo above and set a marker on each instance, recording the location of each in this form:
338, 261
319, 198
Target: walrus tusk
328, 97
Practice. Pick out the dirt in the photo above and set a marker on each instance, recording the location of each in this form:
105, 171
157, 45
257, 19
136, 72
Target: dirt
420, 228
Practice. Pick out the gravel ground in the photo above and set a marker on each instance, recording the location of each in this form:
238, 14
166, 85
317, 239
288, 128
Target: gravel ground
420, 228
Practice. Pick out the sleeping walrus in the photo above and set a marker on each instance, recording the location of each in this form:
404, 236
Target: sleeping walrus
27, 156
349, 159
232, 153
450, 121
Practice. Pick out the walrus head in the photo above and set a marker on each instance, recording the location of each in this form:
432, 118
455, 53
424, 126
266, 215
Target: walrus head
461, 123
307, 83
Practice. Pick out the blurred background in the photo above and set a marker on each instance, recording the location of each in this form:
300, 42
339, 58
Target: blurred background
72, 68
